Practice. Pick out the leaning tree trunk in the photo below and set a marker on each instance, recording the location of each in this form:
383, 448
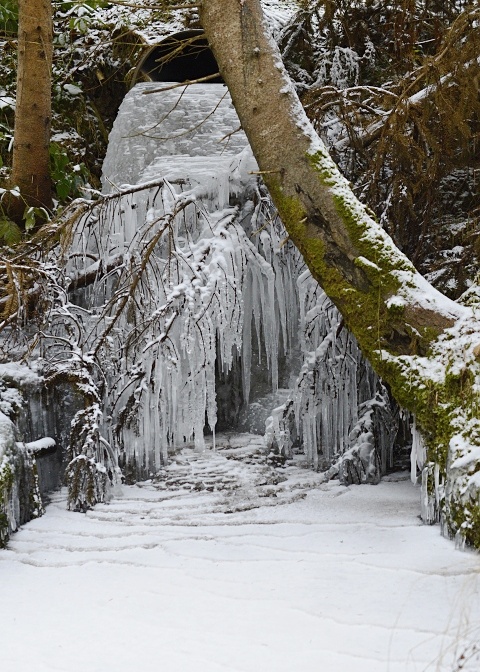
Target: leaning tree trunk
426, 347
31, 170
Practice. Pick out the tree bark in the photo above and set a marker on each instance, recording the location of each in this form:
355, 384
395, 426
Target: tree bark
344, 248
31, 161
420, 342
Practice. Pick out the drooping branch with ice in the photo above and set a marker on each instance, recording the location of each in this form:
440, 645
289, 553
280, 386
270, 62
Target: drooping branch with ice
177, 309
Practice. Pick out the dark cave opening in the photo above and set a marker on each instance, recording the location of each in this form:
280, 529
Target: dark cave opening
184, 56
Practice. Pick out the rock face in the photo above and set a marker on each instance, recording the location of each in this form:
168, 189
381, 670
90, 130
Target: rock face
20, 499
28, 470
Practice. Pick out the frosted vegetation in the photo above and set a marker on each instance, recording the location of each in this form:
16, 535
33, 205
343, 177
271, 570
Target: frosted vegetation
180, 308
201, 314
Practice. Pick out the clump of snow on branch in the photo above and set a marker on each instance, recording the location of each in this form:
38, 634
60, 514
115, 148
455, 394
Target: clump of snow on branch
342, 71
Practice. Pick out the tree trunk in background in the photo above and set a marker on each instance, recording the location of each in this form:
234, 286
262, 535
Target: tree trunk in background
31, 169
425, 346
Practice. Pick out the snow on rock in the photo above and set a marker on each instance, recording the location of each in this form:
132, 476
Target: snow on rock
454, 354
19, 489
20, 374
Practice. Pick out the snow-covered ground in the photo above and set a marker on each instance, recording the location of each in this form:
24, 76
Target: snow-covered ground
229, 564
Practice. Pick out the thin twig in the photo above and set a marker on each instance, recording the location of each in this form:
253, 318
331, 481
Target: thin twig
187, 82
138, 5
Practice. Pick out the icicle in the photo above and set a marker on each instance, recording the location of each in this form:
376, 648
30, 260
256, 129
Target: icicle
418, 453
197, 278
429, 509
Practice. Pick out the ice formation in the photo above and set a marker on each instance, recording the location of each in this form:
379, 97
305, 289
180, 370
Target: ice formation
20, 496
338, 411
202, 307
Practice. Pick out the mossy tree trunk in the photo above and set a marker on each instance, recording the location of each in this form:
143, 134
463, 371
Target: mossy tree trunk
425, 346
31, 170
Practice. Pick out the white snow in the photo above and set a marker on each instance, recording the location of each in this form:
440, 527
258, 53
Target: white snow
174, 577
72, 89
40, 444
21, 374
6, 101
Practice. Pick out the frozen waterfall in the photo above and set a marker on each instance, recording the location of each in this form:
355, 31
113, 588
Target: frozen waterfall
202, 312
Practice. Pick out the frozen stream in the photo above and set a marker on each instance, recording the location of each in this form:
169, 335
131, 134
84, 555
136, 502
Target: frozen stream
228, 564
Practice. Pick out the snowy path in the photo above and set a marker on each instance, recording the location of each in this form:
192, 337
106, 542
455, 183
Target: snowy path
207, 572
